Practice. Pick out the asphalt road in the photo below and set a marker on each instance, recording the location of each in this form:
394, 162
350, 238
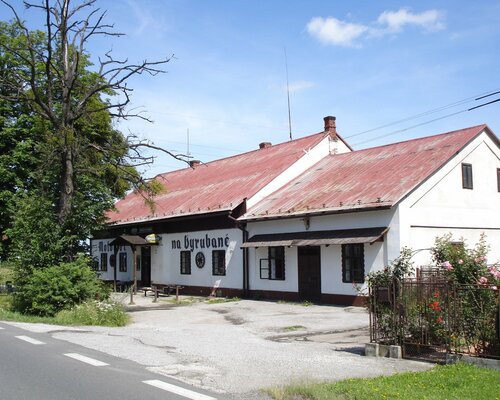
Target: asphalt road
36, 366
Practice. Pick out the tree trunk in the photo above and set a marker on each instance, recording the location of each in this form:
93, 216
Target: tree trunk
67, 186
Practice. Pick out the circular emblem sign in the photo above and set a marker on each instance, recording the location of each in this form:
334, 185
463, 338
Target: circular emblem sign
200, 259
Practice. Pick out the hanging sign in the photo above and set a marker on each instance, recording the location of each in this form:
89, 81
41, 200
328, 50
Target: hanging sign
153, 239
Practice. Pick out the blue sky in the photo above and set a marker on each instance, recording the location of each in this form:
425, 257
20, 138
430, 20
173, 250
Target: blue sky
369, 63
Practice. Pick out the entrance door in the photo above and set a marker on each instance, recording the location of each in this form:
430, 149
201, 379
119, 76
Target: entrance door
146, 266
309, 263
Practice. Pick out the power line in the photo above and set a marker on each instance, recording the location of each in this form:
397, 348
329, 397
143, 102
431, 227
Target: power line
427, 122
428, 112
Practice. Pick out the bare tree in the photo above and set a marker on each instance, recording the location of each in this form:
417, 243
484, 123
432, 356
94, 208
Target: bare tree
55, 84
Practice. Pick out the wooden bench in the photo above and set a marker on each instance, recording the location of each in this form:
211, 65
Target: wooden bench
166, 290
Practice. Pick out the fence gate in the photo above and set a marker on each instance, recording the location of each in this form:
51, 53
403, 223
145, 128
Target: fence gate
431, 317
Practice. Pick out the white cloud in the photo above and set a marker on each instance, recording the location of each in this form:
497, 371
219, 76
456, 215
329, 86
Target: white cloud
333, 31
299, 86
431, 20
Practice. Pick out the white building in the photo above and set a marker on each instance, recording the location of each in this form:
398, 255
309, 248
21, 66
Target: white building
309, 218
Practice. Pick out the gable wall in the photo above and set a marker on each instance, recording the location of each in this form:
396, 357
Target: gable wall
442, 206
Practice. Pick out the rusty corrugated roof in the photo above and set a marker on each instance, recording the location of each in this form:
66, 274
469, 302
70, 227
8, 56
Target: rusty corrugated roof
372, 178
215, 186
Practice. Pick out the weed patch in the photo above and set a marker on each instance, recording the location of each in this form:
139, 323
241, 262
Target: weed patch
292, 328
459, 381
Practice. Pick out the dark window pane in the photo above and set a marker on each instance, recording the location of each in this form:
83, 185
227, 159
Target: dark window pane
353, 263
123, 262
467, 176
219, 262
277, 263
498, 179
104, 261
186, 262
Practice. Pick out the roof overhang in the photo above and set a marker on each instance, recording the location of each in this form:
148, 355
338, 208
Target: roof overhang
311, 213
129, 240
318, 238
165, 217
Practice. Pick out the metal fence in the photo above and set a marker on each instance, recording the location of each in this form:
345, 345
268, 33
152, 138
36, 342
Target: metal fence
431, 317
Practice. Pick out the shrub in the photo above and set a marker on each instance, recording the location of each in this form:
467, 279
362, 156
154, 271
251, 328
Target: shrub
50, 290
93, 312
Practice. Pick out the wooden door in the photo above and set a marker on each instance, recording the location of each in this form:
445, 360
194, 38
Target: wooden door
309, 265
146, 266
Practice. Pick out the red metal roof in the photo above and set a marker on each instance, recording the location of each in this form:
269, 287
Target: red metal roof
370, 178
215, 186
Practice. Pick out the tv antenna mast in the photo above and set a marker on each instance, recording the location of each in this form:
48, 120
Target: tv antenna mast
288, 96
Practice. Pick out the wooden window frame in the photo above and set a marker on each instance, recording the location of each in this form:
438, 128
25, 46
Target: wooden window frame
219, 262
185, 262
467, 176
353, 265
122, 262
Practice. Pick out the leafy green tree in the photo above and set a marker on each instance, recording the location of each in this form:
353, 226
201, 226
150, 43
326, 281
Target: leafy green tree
79, 163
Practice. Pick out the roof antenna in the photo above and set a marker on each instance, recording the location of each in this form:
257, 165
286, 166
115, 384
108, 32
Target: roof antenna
288, 95
188, 154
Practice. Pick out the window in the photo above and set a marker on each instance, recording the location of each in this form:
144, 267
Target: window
274, 266
186, 262
138, 262
112, 261
219, 262
123, 262
353, 263
95, 264
498, 179
467, 176
104, 261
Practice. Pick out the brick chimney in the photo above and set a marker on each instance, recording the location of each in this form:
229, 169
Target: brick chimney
265, 145
194, 163
330, 126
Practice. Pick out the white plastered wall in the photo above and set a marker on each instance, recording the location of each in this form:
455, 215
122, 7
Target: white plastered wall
99, 246
377, 255
442, 206
165, 258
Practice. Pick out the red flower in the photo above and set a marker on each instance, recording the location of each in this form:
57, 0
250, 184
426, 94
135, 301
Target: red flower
436, 294
435, 306
439, 320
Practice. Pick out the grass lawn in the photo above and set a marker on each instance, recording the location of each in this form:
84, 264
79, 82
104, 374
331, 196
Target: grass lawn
92, 313
444, 382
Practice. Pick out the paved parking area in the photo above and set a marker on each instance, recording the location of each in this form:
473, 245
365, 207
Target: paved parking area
240, 347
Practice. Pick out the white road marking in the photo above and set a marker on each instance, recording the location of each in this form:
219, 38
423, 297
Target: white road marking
88, 360
178, 390
29, 340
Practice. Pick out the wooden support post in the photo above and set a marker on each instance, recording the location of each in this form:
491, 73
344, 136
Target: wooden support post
135, 268
155, 289
131, 296
177, 293
115, 252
